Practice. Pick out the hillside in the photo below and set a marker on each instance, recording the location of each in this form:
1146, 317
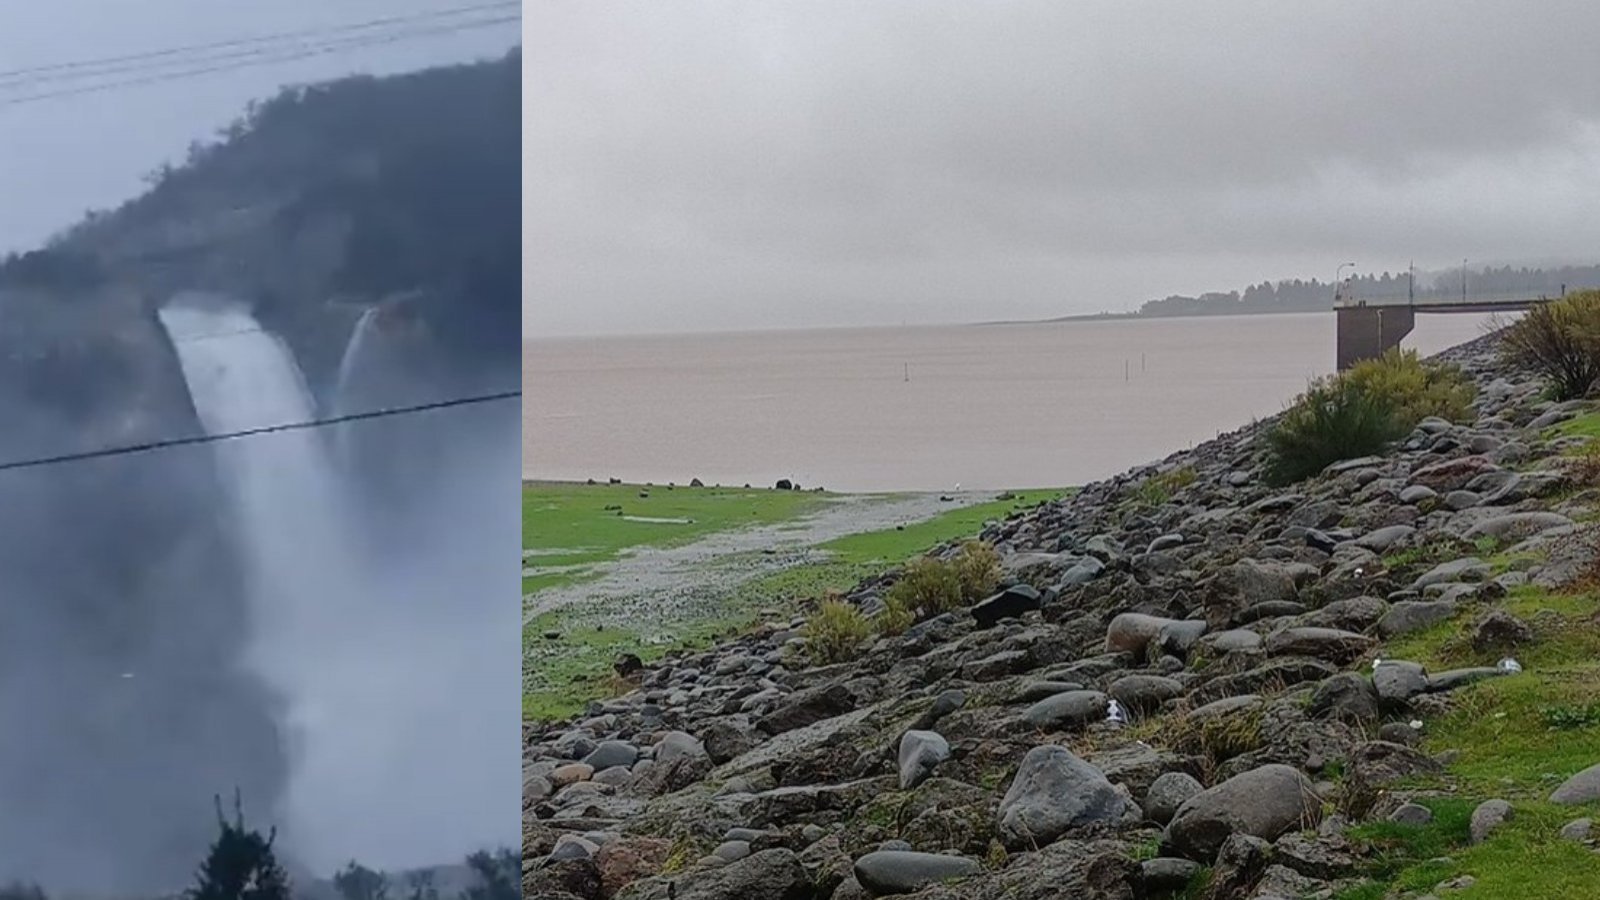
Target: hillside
127, 607
1311, 681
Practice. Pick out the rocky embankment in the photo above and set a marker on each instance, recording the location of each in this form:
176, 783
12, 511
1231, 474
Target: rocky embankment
1235, 624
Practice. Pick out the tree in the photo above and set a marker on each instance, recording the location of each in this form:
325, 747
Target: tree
16, 890
241, 865
357, 882
420, 886
499, 875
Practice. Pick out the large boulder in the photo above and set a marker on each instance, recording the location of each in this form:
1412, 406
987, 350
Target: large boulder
1265, 803
1053, 792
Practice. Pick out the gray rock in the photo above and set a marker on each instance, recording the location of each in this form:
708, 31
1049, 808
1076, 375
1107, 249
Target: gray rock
776, 874
1178, 637
1034, 691
1400, 733
1237, 639
1165, 542
732, 851
920, 753
1583, 787
1489, 815
1347, 697
1517, 526
1468, 568
888, 872
1459, 500
1167, 793
1379, 540
728, 737
675, 745
573, 745
1132, 632
1265, 803
1499, 630
1577, 830
571, 846
1144, 693
1166, 874
612, 753
1414, 615
1352, 614
1008, 604
1411, 814
1071, 709
1055, 791
1417, 493
1455, 678
1397, 681
1322, 643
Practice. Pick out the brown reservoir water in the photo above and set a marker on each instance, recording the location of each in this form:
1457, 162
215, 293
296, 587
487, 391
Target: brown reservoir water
919, 408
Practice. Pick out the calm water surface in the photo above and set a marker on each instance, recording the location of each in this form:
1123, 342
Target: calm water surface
990, 406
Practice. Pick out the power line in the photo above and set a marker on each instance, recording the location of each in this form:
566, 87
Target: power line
253, 432
49, 71
260, 58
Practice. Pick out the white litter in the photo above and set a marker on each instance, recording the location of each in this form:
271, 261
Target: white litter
1115, 714
1509, 665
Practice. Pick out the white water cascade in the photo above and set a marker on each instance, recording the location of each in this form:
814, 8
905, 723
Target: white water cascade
377, 659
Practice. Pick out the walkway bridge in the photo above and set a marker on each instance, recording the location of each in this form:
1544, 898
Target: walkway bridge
1369, 326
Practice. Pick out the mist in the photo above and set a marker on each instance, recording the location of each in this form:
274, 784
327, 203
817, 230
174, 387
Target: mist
718, 166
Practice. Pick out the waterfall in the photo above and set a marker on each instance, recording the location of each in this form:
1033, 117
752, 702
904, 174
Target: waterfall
355, 353
402, 751
289, 516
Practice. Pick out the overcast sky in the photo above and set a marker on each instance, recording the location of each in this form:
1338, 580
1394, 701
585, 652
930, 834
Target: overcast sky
62, 156
752, 164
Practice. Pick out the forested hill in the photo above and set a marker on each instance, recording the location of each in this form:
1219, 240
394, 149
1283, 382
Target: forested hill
328, 198
1297, 295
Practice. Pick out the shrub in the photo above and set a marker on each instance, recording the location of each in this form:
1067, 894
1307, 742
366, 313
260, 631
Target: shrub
836, 632
1333, 420
895, 618
1416, 388
930, 586
1159, 488
1357, 412
977, 568
927, 586
1561, 341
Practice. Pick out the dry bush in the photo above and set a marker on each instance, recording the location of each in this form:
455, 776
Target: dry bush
835, 632
1561, 341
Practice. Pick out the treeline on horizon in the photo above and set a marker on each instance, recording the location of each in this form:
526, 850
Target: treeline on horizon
1297, 295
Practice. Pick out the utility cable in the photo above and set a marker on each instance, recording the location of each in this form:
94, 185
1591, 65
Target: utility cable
257, 58
253, 432
121, 62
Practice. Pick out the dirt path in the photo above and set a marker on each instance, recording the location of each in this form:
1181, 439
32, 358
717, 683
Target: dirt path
666, 583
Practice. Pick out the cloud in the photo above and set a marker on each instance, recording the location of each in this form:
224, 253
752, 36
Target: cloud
757, 163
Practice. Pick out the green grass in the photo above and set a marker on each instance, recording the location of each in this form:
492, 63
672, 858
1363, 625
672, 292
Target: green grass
1585, 425
1516, 737
561, 676
893, 546
573, 532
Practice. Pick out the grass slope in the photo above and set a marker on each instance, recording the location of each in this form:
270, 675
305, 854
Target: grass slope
572, 529
1516, 738
568, 525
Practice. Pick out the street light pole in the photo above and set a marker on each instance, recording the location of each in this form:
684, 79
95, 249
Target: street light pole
1463, 279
